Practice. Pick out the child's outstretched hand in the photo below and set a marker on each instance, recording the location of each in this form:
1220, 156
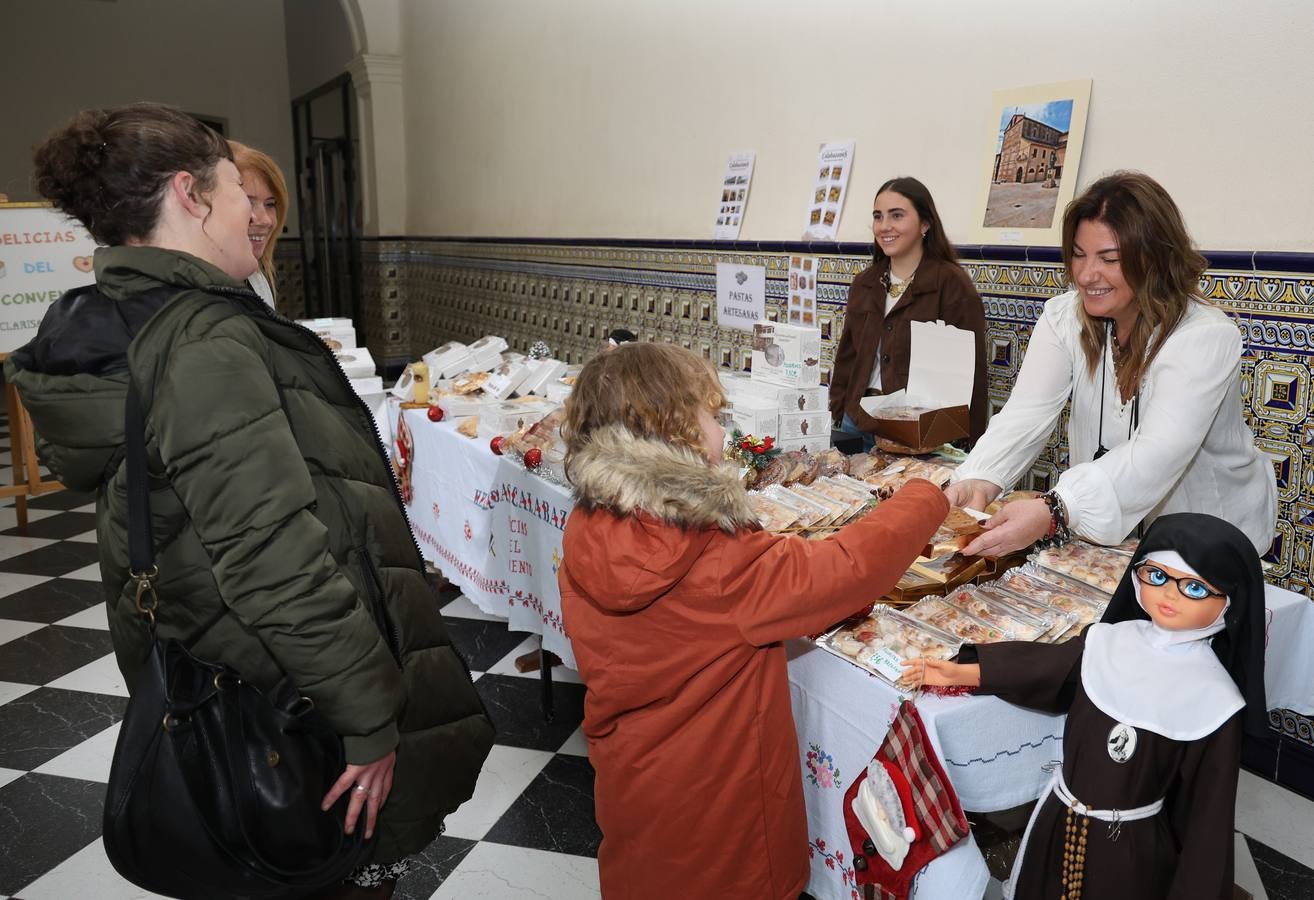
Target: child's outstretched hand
920, 671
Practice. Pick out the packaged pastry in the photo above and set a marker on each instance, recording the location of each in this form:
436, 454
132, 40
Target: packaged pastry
956, 532
837, 512
850, 492
469, 428
832, 462
941, 614
1021, 625
542, 434
880, 641
856, 485
863, 464
772, 514
809, 512
469, 382
1062, 623
1100, 567
1071, 600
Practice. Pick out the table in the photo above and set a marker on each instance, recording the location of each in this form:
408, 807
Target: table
495, 530
997, 755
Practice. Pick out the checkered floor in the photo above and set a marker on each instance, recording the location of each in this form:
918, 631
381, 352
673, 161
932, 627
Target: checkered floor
528, 831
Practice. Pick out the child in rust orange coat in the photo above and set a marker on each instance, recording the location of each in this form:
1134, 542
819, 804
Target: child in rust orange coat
677, 602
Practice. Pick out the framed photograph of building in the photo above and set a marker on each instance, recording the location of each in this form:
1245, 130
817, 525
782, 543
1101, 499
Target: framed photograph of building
1030, 170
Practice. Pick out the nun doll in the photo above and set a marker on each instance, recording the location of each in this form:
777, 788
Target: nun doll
1158, 695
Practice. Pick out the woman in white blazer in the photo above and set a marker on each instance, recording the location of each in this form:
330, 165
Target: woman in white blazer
1153, 373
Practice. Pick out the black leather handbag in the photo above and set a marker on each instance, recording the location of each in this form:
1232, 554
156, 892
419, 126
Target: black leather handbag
215, 786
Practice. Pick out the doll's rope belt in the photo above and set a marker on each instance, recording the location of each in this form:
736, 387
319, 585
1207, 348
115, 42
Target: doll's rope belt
1066, 797
1077, 821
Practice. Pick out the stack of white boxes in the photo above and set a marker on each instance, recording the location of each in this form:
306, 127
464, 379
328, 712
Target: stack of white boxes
356, 362
783, 397
797, 417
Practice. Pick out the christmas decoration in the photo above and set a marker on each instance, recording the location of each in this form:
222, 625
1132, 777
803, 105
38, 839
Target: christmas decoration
533, 458
496, 445
435, 414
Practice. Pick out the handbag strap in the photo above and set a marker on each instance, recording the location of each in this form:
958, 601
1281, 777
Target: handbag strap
141, 547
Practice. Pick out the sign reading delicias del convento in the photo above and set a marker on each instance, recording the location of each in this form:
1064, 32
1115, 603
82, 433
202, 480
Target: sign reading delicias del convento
43, 253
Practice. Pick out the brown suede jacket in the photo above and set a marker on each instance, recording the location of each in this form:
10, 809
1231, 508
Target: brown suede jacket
940, 290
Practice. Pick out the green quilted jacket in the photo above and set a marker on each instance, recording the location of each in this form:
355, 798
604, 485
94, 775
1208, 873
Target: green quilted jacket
282, 544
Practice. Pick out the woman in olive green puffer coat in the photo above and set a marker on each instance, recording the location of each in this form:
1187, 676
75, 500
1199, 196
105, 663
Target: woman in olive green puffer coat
282, 543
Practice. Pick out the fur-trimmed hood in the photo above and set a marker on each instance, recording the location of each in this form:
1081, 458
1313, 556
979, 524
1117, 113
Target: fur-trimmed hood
646, 513
618, 471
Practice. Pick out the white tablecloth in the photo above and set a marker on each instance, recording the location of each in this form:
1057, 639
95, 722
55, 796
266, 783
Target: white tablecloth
493, 529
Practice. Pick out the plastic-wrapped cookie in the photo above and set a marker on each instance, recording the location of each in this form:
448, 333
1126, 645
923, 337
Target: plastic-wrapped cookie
849, 646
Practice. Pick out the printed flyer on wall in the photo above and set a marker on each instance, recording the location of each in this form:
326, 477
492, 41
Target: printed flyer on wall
803, 290
734, 195
834, 160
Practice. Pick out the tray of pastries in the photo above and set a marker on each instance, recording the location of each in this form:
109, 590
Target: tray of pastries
997, 613
1034, 583
879, 641
1099, 567
952, 619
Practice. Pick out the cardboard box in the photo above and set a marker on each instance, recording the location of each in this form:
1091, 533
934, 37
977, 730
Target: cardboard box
459, 406
757, 421
933, 408
786, 355
487, 352
356, 362
506, 379
506, 416
447, 361
339, 334
812, 444
541, 373
813, 399
796, 425
369, 385
926, 432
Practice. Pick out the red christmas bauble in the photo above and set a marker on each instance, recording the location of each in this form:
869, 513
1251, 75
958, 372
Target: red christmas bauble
533, 458
496, 445
435, 414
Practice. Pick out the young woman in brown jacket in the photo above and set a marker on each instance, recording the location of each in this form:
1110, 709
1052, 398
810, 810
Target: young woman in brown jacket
914, 277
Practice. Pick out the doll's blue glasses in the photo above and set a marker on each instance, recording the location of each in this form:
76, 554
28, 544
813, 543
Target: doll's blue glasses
1188, 586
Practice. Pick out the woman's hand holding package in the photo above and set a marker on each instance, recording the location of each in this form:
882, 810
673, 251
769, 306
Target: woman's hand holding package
1019, 524
972, 493
370, 785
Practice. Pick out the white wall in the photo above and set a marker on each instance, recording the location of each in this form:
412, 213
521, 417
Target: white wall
604, 119
224, 58
318, 43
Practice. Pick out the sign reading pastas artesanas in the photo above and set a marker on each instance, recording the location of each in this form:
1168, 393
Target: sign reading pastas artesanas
740, 295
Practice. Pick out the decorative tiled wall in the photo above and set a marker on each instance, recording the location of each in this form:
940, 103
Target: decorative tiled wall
422, 292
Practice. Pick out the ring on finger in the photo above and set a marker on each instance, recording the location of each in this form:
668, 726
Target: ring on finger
360, 788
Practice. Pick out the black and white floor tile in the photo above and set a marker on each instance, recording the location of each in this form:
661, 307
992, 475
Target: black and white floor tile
527, 832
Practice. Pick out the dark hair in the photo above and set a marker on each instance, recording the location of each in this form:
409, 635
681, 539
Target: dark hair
108, 168
936, 245
1157, 259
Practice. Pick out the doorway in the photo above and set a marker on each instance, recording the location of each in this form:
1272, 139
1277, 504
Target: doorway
325, 139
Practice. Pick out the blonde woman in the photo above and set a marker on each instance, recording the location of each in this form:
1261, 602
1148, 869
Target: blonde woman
1152, 371
266, 188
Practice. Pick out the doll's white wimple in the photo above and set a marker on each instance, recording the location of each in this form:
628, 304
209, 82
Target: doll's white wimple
1158, 696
